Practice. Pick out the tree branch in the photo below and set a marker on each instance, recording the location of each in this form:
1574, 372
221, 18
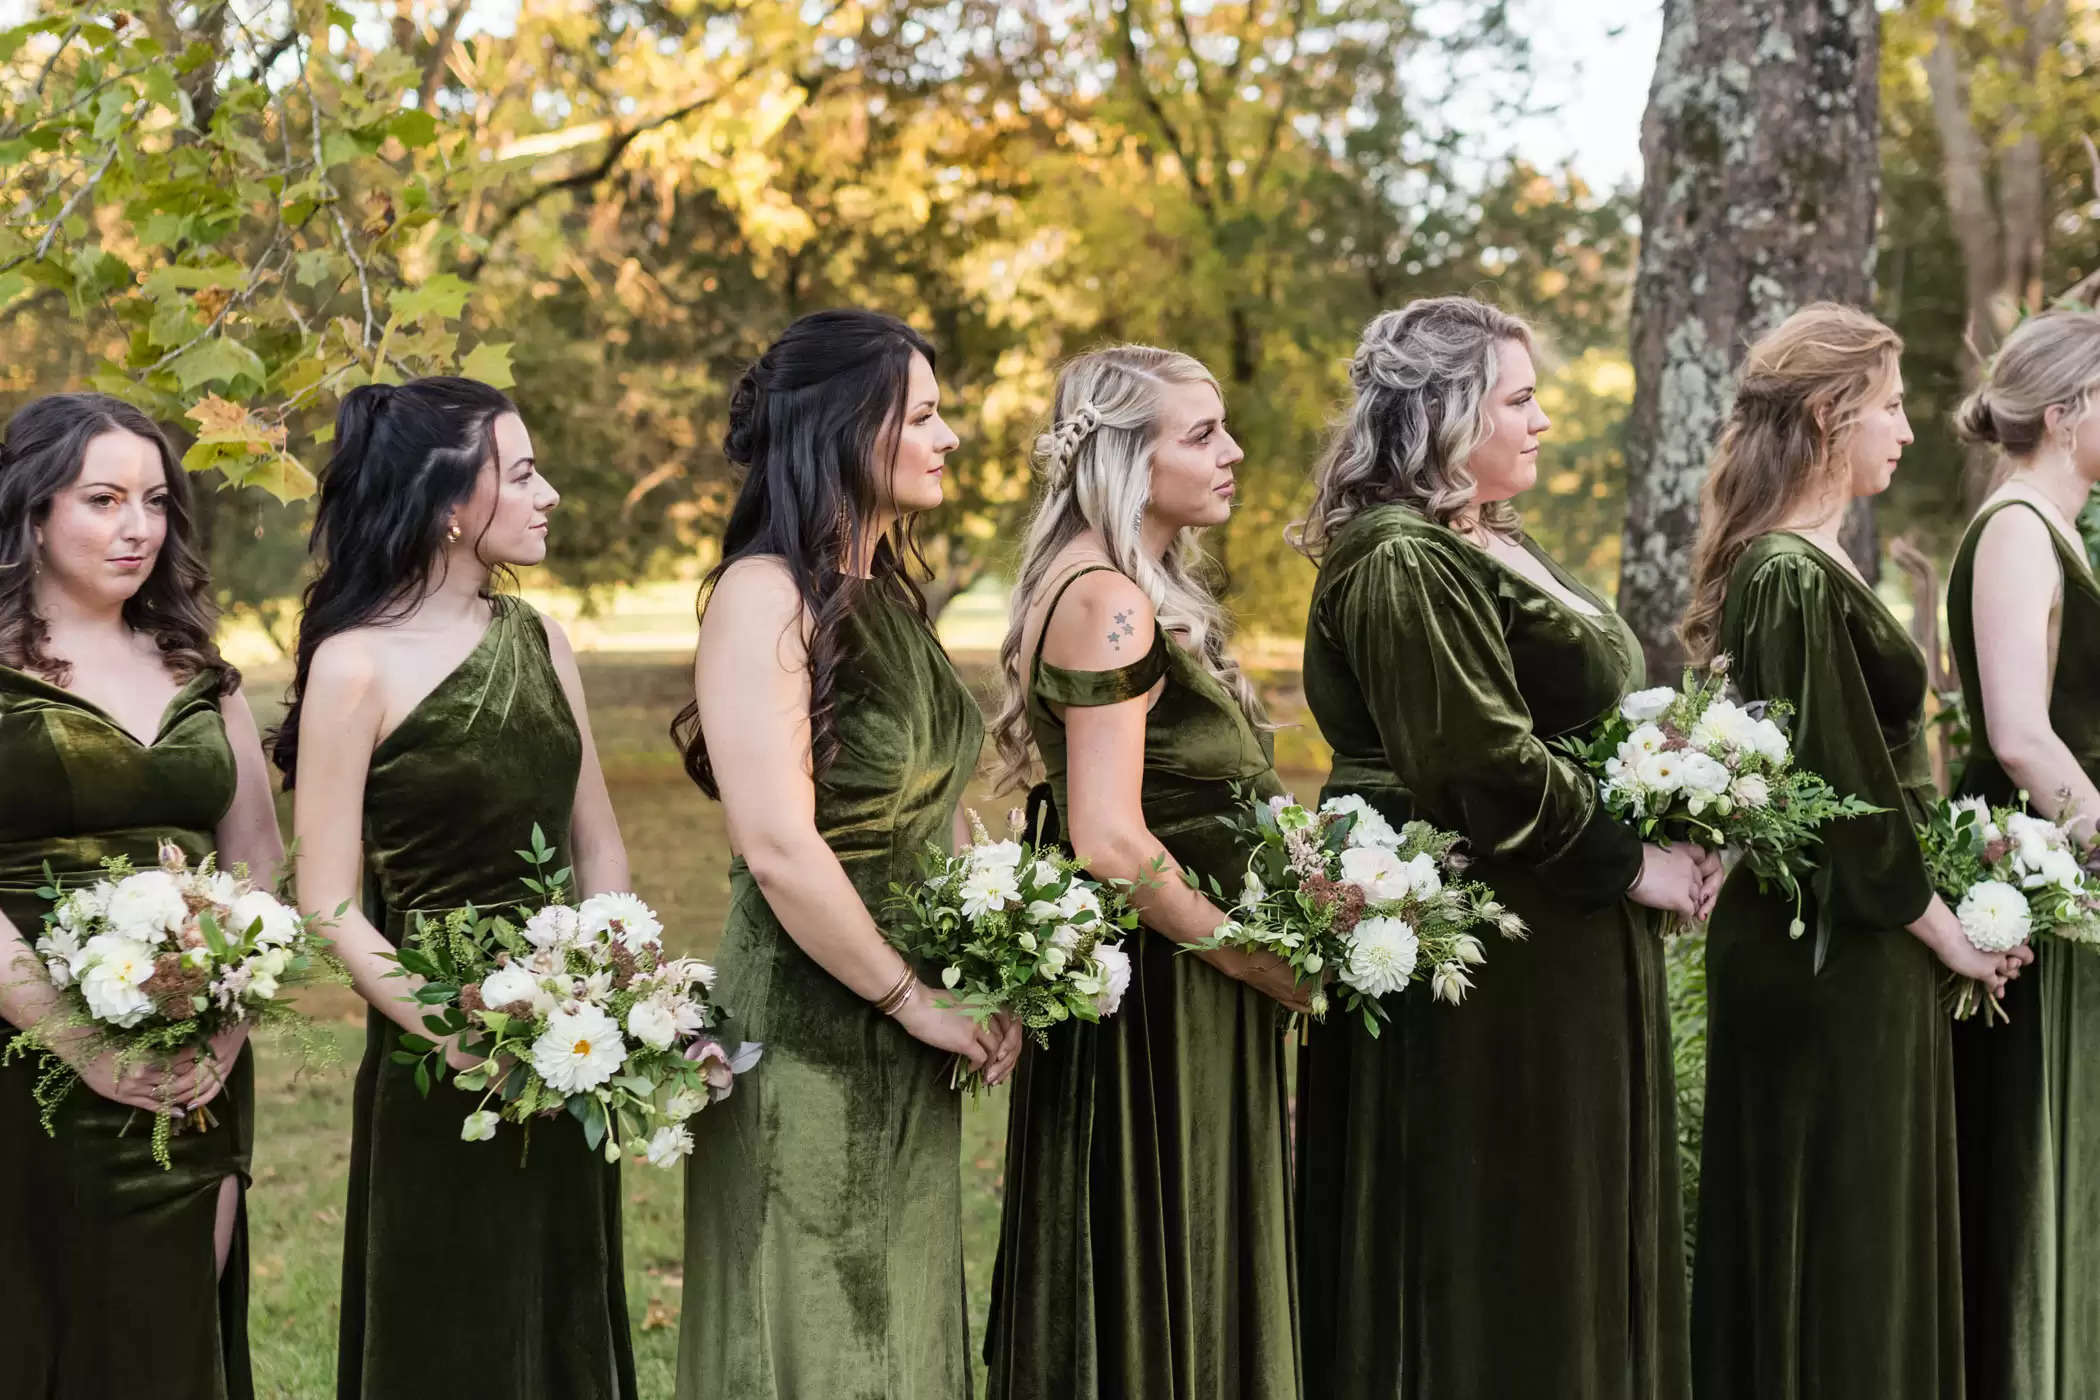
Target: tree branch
65, 211
434, 66
1135, 62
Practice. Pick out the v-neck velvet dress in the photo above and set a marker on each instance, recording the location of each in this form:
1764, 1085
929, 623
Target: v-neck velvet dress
823, 1204
1488, 1193
473, 1270
1145, 1251
1828, 1266
106, 1261
2027, 1092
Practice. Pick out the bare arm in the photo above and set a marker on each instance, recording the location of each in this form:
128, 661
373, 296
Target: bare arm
248, 832
750, 679
600, 856
2016, 569
1105, 774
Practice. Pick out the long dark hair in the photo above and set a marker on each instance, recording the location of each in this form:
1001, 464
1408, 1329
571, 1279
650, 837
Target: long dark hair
46, 447
405, 455
814, 423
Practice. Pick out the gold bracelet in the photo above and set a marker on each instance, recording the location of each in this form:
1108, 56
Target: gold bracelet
893, 1000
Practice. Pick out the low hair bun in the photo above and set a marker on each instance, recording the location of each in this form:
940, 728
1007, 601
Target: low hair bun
740, 441
1975, 421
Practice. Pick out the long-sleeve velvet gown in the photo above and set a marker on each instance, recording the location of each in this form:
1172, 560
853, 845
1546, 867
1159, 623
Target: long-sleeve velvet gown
1488, 1193
106, 1261
1828, 1265
473, 1270
2027, 1093
1145, 1251
823, 1245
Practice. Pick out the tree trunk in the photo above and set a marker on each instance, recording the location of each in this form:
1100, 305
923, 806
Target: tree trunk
1762, 180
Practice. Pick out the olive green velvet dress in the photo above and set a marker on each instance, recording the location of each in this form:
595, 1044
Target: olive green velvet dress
1146, 1247
106, 1261
1828, 1266
1488, 1193
2027, 1093
473, 1270
823, 1244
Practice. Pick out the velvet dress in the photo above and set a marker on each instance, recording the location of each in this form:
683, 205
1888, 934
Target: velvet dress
473, 1270
823, 1245
1488, 1193
1828, 1264
1146, 1249
2027, 1092
107, 1288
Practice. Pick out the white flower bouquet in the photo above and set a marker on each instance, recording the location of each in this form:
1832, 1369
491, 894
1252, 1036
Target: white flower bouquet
1015, 926
152, 963
576, 1010
2011, 876
1338, 892
1693, 765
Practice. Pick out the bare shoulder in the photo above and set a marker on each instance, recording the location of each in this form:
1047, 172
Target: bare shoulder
1104, 621
558, 644
2017, 545
756, 605
237, 712
349, 663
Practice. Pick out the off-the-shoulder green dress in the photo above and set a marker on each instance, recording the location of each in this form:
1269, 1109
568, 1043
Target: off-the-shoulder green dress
1828, 1264
473, 1269
1488, 1193
823, 1238
106, 1261
2027, 1093
1146, 1247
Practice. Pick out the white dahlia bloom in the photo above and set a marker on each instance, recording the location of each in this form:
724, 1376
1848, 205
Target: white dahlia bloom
995, 855
115, 969
147, 906
622, 916
1995, 916
1371, 828
1645, 705
580, 1049
653, 1024
1382, 956
988, 888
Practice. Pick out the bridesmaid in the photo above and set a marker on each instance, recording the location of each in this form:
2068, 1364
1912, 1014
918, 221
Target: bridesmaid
2028, 1131
1828, 1263
447, 719
823, 1247
1488, 1192
120, 727
1146, 1249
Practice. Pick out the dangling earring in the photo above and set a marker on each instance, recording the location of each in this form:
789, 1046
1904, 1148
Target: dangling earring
1137, 521
452, 533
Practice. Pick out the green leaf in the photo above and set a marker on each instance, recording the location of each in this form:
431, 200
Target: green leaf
443, 295
489, 362
283, 476
219, 359
411, 1041
423, 1078
413, 127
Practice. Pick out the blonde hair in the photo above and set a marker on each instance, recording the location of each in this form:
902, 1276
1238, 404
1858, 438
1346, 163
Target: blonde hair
1095, 463
1803, 388
2048, 361
1424, 377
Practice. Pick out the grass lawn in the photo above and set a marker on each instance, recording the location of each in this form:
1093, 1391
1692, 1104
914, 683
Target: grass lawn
676, 842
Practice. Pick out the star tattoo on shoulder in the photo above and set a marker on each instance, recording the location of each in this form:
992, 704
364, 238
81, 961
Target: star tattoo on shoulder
1123, 621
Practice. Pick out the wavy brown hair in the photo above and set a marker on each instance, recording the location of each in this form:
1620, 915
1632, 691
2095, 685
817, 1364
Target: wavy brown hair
1423, 376
1801, 392
45, 450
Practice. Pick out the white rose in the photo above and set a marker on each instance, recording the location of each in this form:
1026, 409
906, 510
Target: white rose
653, 1024
507, 984
1382, 955
554, 926
1371, 828
1382, 875
1995, 916
1704, 775
995, 855
580, 1049
1424, 880
1112, 966
277, 923
2059, 868
2032, 840
147, 906
669, 1145
1771, 742
479, 1127
1645, 705
115, 970
622, 916
1750, 790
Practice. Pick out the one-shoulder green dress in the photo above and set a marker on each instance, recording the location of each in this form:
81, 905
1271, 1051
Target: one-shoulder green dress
2027, 1092
1146, 1249
473, 1270
823, 1244
106, 1261
1488, 1193
1828, 1265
